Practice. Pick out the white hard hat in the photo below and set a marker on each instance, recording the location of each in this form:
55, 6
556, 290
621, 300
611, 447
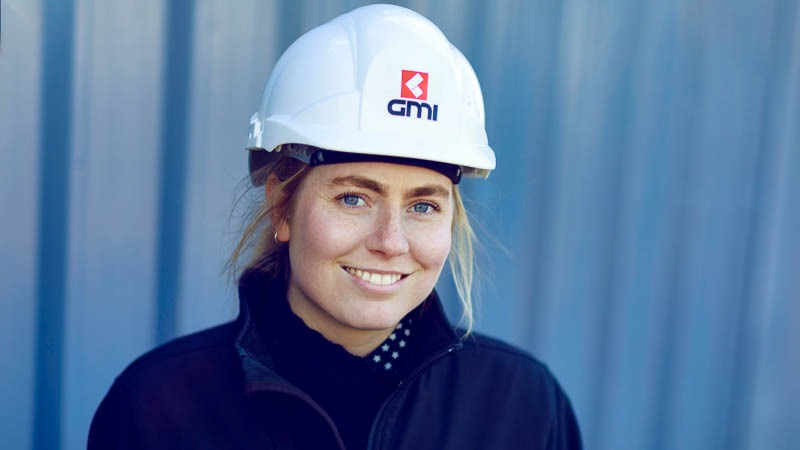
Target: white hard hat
380, 80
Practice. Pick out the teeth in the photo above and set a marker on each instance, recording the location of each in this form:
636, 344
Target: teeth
375, 278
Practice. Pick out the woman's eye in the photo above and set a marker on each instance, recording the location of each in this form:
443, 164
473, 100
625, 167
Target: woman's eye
352, 200
423, 208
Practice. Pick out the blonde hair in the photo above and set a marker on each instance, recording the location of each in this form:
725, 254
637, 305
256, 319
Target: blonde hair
260, 251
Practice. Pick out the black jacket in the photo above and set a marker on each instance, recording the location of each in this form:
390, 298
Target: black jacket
217, 389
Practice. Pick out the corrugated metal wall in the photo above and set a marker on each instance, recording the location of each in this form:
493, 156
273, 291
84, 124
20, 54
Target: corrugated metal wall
647, 194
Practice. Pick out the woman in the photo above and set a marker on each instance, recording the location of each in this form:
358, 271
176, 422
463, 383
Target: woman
366, 127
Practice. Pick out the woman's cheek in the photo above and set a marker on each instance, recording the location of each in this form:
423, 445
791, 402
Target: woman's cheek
433, 248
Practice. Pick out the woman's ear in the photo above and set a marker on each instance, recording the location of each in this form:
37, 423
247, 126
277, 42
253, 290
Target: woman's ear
280, 224
270, 188
282, 232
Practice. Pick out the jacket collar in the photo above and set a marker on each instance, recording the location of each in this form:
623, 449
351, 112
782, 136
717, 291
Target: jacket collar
434, 332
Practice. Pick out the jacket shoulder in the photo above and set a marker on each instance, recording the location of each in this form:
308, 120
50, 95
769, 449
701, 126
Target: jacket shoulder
490, 347
169, 390
508, 368
187, 347
497, 395
209, 352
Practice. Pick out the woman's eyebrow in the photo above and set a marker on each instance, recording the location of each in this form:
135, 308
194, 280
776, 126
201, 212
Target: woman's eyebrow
428, 190
362, 182
436, 190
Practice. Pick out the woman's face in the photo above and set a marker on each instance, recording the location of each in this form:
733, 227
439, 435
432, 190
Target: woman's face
367, 242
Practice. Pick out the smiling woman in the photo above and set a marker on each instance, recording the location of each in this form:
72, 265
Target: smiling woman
341, 341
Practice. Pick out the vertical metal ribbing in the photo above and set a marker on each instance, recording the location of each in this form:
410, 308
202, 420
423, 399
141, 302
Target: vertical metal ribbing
54, 167
174, 142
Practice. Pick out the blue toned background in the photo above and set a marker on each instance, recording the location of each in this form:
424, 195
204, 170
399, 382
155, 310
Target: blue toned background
647, 197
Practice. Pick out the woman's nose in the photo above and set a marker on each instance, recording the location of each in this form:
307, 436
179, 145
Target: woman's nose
388, 236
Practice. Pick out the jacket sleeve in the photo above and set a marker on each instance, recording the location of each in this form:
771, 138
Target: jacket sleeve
564, 432
113, 425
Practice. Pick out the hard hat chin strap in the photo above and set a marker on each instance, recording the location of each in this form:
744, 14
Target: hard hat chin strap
321, 156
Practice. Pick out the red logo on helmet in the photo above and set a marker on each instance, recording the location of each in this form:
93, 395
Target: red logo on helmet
414, 85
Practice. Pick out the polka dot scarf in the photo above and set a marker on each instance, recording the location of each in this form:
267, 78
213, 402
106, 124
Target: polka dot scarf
388, 356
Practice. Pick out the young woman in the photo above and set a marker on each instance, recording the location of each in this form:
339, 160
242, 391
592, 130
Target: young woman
366, 127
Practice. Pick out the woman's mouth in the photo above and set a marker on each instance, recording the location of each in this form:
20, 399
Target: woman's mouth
379, 279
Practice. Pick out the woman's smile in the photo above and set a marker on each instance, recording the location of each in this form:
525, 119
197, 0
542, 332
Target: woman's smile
375, 277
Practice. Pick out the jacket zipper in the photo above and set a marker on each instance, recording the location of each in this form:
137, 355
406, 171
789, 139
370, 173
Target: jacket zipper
402, 385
